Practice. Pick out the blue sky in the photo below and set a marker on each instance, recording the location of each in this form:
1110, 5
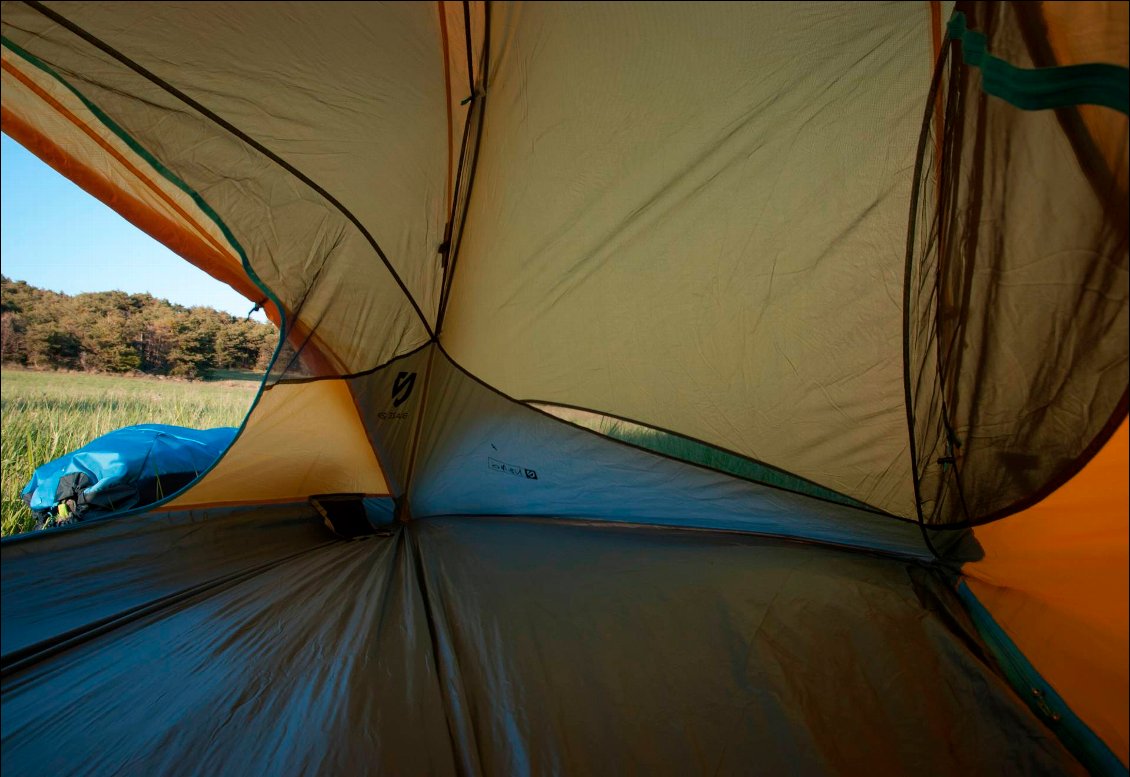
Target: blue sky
56, 236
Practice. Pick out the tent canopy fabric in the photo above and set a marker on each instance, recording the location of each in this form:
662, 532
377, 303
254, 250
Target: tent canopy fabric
853, 276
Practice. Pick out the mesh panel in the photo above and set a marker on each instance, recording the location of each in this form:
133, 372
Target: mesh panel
1017, 295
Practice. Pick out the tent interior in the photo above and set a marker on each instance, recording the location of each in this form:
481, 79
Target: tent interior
728, 388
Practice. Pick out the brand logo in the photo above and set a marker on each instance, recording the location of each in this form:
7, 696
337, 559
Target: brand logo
402, 388
510, 469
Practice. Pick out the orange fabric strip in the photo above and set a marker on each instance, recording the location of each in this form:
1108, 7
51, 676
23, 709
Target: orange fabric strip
62, 110
1055, 577
184, 242
447, 92
936, 35
209, 256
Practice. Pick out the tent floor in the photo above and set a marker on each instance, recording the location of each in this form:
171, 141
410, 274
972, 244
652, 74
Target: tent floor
495, 646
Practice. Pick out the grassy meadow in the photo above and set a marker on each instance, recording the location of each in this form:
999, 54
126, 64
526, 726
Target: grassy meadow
48, 414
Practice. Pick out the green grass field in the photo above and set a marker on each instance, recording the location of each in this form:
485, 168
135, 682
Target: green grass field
48, 414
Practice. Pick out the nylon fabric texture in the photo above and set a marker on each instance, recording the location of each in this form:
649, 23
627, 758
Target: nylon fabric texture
692, 355
425, 653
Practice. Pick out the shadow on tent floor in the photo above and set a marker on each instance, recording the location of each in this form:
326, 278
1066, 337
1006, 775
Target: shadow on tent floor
250, 644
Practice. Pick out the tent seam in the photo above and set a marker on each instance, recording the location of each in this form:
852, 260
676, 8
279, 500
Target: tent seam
849, 501
478, 98
210, 213
866, 508
241, 135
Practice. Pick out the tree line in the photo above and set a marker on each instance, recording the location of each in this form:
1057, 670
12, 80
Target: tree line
111, 331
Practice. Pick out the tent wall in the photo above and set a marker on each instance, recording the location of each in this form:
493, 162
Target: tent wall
1055, 578
1019, 274
483, 453
256, 163
51, 120
639, 214
655, 288
300, 439
390, 401
1018, 289
724, 252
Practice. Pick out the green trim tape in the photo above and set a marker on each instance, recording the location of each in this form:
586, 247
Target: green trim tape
1048, 705
208, 211
1042, 88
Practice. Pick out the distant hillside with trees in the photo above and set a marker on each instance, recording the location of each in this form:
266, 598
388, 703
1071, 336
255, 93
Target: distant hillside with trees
112, 331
